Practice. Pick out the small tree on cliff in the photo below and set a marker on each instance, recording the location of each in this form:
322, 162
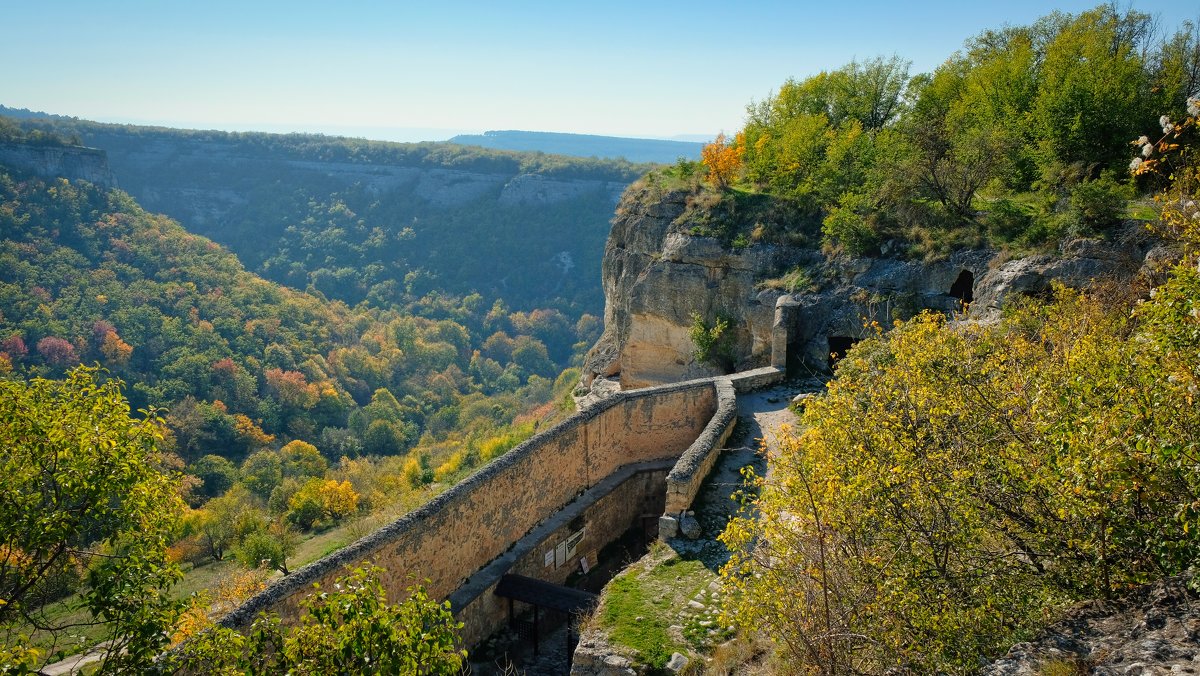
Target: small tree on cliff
723, 160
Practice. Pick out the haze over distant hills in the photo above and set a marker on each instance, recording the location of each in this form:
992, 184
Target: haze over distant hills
585, 145
662, 151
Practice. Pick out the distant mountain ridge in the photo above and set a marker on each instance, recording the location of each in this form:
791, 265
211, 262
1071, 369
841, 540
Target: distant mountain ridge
585, 145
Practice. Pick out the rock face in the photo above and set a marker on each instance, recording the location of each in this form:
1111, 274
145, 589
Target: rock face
656, 275
71, 162
537, 189
1155, 630
594, 656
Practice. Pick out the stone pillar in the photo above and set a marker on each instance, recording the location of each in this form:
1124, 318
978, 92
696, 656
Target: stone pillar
785, 315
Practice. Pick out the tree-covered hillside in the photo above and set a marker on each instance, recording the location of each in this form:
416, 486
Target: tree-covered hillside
87, 275
369, 220
1019, 139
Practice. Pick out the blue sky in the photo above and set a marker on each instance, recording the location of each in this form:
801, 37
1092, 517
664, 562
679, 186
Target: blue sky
411, 71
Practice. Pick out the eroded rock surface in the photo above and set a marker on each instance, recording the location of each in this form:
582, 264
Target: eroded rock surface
657, 275
1155, 630
73, 162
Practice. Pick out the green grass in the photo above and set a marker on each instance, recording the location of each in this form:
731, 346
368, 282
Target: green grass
1142, 210
646, 608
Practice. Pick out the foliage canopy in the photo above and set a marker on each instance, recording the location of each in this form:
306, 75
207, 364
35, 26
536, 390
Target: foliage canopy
87, 508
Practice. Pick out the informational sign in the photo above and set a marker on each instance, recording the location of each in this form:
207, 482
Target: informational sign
573, 541
560, 554
549, 558
583, 565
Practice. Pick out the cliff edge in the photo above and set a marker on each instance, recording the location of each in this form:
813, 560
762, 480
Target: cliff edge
50, 161
658, 274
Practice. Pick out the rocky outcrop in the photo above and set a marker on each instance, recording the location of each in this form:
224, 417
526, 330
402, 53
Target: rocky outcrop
1155, 630
595, 656
76, 163
656, 275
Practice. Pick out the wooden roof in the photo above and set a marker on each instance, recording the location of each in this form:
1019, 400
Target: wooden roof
545, 594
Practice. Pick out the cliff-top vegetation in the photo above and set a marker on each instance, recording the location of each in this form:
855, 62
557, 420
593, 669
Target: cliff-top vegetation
1019, 139
959, 485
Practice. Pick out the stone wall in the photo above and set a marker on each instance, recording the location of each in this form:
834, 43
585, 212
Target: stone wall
463, 530
685, 478
602, 514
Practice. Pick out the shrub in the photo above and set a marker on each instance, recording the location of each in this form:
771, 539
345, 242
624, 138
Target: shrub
350, 629
714, 344
955, 485
1100, 204
846, 224
1006, 221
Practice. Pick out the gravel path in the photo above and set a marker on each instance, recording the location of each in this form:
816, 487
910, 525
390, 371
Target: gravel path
760, 416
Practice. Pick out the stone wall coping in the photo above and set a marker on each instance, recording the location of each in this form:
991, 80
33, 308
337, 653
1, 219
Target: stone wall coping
362, 549
748, 381
709, 441
489, 575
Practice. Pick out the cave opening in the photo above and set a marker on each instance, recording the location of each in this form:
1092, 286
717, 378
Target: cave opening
838, 346
964, 287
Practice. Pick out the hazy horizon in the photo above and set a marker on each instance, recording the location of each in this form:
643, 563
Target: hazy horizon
664, 71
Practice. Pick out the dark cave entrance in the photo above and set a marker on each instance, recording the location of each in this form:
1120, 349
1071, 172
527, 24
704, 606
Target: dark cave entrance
838, 346
963, 288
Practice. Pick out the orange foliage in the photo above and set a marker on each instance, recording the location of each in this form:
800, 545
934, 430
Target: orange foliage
251, 433
115, 350
723, 159
232, 591
292, 388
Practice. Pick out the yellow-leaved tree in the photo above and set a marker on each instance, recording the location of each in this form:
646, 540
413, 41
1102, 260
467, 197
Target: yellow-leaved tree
723, 160
957, 484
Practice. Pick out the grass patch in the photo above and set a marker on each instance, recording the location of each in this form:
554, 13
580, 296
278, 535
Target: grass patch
796, 280
662, 605
1142, 210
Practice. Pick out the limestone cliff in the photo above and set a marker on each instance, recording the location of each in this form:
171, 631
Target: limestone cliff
48, 161
656, 275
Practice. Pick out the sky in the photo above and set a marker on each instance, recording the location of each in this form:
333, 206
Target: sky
427, 70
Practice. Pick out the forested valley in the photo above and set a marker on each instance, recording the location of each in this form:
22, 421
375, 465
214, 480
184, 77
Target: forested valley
324, 333
296, 418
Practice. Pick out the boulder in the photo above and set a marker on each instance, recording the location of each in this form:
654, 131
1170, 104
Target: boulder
689, 526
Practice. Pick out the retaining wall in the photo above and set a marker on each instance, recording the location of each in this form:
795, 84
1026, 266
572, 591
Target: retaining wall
599, 516
603, 468
458, 533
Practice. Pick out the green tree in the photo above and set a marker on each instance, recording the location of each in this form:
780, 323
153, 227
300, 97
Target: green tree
216, 475
350, 629
225, 520
262, 472
270, 547
302, 460
85, 495
714, 344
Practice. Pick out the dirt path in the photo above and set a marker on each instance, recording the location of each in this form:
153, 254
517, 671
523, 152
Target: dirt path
75, 663
760, 416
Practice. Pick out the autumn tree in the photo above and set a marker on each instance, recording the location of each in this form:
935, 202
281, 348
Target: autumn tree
955, 485
723, 160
